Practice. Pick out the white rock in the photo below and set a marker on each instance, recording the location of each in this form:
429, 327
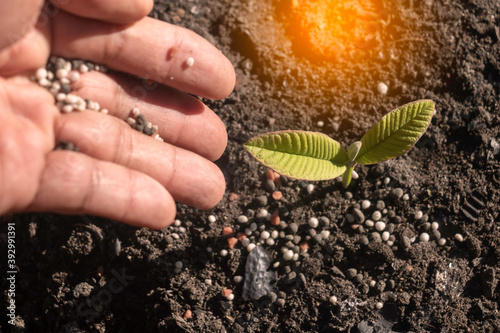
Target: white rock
380, 226
288, 255
242, 219
313, 222
382, 88
365, 204
424, 237
41, 73
265, 234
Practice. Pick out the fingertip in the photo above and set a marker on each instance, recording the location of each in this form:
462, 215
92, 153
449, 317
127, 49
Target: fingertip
212, 191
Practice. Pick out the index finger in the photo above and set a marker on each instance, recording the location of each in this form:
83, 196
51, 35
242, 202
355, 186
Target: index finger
148, 48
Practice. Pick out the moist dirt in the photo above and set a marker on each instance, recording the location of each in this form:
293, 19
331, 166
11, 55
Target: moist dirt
311, 66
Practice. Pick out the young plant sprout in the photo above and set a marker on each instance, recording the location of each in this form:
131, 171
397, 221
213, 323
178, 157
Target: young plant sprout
315, 156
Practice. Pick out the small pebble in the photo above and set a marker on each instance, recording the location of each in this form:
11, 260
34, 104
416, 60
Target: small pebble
358, 215
424, 237
459, 238
380, 226
397, 193
281, 302
382, 88
288, 255
178, 264
379, 305
418, 215
265, 234
441, 242
377, 215
277, 195
293, 228
238, 279
351, 272
325, 221
375, 236
250, 247
41, 73
313, 222
310, 188
188, 314
61, 73
262, 213
223, 252
242, 219
320, 123
434, 226
406, 197
387, 180
369, 223
333, 299
212, 218
365, 204
261, 200
385, 236
245, 242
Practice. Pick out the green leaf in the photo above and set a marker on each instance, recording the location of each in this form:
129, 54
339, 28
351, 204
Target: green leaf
299, 154
353, 150
396, 133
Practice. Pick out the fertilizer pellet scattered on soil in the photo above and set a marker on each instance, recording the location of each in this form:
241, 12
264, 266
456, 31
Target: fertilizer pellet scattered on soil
424, 237
333, 299
313, 222
382, 88
376, 215
365, 204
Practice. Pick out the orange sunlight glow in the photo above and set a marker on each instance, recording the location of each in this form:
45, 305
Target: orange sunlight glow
328, 28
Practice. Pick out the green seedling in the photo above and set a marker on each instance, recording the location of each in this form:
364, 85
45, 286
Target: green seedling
315, 156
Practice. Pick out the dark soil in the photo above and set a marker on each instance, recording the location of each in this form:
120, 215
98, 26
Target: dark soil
293, 72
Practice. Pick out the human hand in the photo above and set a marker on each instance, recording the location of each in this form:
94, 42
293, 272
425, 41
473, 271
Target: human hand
122, 174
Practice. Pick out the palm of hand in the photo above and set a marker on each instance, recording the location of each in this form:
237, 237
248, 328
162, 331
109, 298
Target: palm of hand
26, 135
123, 174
